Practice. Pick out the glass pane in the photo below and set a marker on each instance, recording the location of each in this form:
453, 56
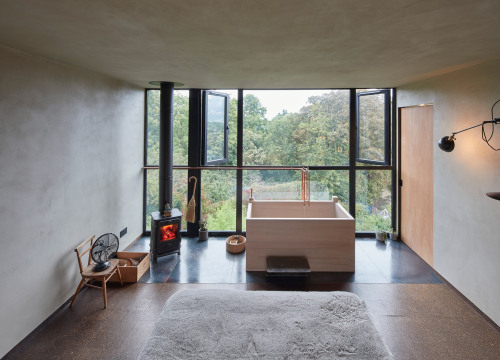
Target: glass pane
218, 199
216, 127
328, 183
371, 127
179, 194
286, 185
180, 127
233, 126
272, 184
153, 127
296, 127
373, 200
152, 181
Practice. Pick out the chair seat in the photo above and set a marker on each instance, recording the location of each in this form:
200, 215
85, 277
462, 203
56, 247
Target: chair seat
89, 272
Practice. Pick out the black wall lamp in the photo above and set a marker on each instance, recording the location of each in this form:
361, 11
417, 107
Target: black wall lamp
494, 195
447, 143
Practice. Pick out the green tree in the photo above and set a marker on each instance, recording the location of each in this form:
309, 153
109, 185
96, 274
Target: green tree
254, 129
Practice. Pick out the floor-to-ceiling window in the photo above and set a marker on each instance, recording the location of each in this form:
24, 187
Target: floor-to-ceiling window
374, 182
218, 189
152, 156
343, 136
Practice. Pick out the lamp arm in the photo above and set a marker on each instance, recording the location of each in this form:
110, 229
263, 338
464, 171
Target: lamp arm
494, 121
447, 143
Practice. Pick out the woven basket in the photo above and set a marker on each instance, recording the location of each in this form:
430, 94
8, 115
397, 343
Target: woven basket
236, 248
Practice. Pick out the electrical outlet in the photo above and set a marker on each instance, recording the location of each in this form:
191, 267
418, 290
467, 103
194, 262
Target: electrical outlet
123, 232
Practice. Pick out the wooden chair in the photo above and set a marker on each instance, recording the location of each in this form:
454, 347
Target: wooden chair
89, 275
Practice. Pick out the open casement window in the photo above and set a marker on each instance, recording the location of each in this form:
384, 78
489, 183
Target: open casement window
373, 127
215, 128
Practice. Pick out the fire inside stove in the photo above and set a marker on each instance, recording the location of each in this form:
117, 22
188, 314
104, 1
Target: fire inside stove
169, 232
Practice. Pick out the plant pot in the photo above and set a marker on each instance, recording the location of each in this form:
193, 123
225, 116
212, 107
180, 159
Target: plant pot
393, 237
381, 236
203, 235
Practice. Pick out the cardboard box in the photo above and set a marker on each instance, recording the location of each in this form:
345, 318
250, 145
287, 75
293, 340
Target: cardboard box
131, 273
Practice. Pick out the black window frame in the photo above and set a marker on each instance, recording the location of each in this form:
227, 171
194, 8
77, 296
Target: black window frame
225, 158
387, 127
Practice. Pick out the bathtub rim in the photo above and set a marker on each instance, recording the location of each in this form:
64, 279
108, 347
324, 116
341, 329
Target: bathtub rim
338, 208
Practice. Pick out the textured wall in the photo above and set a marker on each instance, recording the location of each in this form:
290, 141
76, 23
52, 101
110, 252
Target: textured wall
466, 221
70, 158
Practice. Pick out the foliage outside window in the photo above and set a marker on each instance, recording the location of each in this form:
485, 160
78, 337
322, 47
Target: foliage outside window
218, 199
180, 127
315, 132
373, 200
312, 132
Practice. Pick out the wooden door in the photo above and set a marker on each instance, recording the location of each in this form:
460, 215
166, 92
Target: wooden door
417, 180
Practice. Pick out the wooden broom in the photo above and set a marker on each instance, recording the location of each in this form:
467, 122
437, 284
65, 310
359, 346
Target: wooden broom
191, 209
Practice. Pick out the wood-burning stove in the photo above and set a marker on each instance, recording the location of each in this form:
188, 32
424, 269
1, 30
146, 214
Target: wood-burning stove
165, 234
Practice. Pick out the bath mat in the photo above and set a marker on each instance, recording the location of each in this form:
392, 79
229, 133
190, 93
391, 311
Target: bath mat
231, 324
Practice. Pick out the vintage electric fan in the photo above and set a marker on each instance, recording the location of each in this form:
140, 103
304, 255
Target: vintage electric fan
104, 248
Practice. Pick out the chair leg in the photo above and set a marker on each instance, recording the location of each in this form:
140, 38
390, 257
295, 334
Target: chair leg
119, 275
77, 291
104, 291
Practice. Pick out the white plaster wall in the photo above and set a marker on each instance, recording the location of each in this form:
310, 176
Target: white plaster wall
466, 221
70, 166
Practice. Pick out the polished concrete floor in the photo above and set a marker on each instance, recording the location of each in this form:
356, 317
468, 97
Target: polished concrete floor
418, 316
209, 262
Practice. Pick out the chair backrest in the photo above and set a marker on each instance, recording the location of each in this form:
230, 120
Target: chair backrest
79, 255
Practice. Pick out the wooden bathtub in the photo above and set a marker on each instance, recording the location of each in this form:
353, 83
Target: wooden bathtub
322, 231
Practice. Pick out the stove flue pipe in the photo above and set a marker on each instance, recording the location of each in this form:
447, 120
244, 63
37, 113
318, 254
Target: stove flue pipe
166, 143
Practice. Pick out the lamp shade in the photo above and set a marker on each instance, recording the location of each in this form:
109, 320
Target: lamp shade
446, 143
494, 195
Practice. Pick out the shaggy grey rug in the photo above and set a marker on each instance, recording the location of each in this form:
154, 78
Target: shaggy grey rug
229, 324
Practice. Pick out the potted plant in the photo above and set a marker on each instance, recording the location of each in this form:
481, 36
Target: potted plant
381, 235
393, 235
203, 233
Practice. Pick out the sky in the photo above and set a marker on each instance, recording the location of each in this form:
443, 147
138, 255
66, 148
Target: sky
275, 101
278, 100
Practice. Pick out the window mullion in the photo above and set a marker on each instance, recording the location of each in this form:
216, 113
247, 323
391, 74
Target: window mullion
194, 156
239, 164
352, 151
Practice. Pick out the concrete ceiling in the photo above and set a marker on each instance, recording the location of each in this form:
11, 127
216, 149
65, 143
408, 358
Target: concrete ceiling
257, 43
